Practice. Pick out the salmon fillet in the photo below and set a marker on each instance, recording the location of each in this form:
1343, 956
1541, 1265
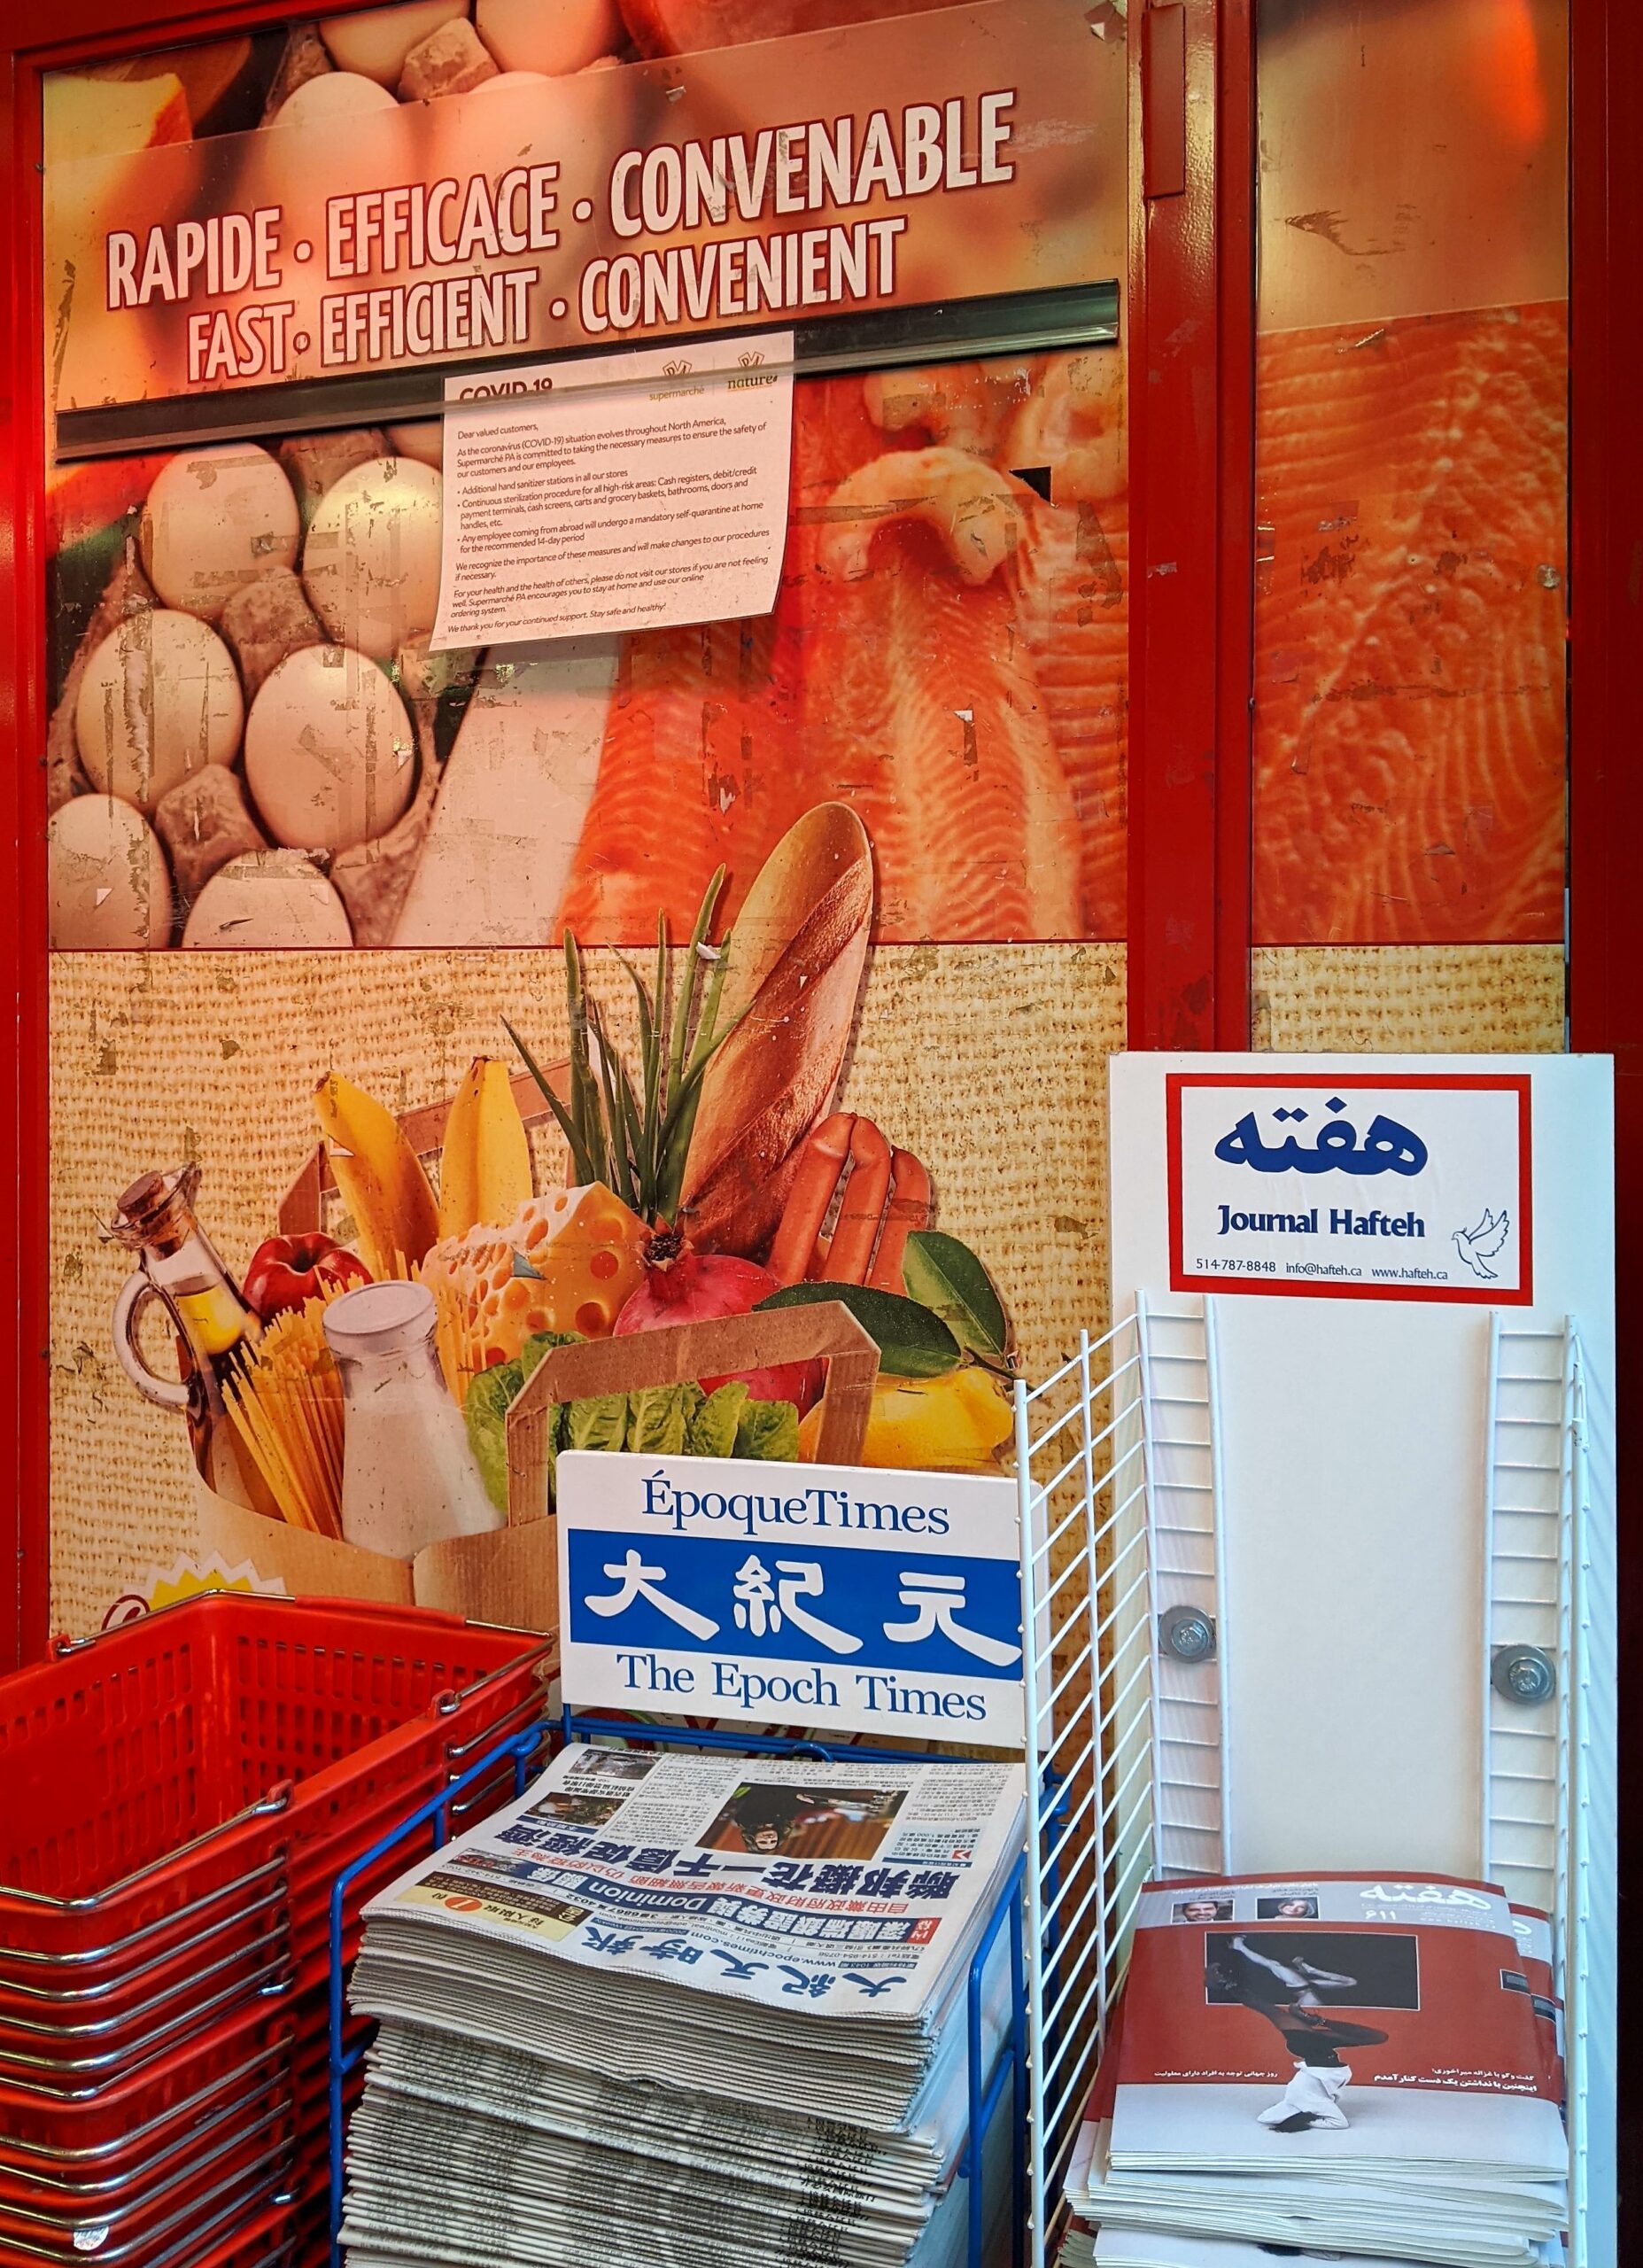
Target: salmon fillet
1409, 632
919, 702
910, 695
692, 775
705, 761
1075, 617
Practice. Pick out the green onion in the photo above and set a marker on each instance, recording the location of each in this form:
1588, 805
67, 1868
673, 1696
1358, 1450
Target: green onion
635, 1135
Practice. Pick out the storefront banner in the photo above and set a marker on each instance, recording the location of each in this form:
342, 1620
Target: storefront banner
958, 154
620, 491
1364, 1187
886, 1602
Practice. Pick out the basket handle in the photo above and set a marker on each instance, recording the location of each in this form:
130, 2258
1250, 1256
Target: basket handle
277, 1800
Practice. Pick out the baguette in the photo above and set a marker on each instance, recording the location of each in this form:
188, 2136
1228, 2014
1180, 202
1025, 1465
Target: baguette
794, 964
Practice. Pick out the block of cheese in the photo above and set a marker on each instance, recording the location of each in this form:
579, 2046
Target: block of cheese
514, 795
566, 1261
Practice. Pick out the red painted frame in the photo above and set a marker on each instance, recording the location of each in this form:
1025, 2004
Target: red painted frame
1192, 534
1496, 1083
1605, 807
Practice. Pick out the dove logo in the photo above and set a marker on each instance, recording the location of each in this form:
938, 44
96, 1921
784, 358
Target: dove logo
1329, 1183
1479, 1245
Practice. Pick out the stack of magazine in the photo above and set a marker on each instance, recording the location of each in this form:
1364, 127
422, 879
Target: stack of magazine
683, 2008
1335, 2065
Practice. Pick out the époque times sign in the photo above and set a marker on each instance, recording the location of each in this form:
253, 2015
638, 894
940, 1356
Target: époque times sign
958, 154
1353, 1185
840, 1597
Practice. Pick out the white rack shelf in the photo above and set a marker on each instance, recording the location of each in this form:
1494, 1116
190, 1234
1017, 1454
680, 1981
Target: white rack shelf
1131, 1746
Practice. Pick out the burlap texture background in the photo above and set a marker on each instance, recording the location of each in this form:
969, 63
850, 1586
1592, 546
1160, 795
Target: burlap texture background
1409, 999
989, 1062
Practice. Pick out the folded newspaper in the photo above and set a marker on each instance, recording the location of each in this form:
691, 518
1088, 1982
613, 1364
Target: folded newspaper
735, 1988
1337, 2065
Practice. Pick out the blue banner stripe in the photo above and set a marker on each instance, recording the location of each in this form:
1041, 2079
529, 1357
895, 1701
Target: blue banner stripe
860, 1592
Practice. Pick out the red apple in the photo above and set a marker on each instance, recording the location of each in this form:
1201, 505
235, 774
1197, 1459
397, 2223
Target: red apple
288, 1271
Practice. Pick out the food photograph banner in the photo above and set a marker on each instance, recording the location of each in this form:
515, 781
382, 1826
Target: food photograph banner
719, 953
539, 997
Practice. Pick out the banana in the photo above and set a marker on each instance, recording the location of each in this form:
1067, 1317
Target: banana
484, 1170
379, 1175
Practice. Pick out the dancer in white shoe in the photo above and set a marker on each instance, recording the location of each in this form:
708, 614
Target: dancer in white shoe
1298, 1978
1285, 1992
1311, 2097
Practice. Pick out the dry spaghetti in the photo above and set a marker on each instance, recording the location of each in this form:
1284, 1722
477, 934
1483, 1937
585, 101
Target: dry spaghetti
286, 1404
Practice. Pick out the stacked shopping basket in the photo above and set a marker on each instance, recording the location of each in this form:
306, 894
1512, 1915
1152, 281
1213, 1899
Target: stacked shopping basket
177, 1798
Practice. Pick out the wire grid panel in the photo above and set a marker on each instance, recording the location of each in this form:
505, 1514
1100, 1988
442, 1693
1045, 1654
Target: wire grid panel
1086, 1602
1128, 1755
1179, 1409
1525, 1652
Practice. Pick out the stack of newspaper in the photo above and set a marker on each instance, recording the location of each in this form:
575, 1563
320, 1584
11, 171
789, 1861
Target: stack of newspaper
687, 2007
1334, 2065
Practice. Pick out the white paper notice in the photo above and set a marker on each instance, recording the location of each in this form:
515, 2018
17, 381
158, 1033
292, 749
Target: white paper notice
623, 491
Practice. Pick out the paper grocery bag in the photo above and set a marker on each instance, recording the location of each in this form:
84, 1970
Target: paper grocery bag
507, 1576
720, 1348
309, 1565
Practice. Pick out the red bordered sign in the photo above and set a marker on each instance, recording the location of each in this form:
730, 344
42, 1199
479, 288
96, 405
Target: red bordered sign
1362, 1185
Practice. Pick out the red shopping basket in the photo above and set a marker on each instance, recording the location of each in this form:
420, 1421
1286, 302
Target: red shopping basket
144, 1770
65, 2028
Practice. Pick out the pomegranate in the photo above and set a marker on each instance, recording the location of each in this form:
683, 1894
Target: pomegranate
683, 1285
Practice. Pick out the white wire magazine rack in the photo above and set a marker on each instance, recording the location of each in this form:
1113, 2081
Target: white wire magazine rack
1130, 1746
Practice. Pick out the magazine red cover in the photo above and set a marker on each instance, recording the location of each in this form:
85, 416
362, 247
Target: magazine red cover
1349, 2020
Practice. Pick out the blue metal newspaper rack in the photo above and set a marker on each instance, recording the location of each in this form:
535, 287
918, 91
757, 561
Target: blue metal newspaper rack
988, 2090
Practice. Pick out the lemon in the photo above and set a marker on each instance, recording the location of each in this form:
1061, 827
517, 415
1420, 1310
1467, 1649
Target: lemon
951, 1424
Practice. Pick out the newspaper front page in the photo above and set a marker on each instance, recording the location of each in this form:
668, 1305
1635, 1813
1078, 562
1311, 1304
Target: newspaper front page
851, 1889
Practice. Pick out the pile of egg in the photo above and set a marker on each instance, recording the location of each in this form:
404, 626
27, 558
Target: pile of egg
515, 39
326, 746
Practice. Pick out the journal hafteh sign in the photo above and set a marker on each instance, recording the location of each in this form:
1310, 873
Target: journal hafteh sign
1358, 1186
841, 1598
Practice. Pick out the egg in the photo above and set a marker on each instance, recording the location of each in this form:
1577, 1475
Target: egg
330, 756
267, 901
159, 697
377, 40
371, 562
425, 440
216, 518
554, 36
107, 886
333, 95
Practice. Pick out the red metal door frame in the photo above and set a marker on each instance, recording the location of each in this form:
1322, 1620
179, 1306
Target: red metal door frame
1606, 809
79, 30
1192, 521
